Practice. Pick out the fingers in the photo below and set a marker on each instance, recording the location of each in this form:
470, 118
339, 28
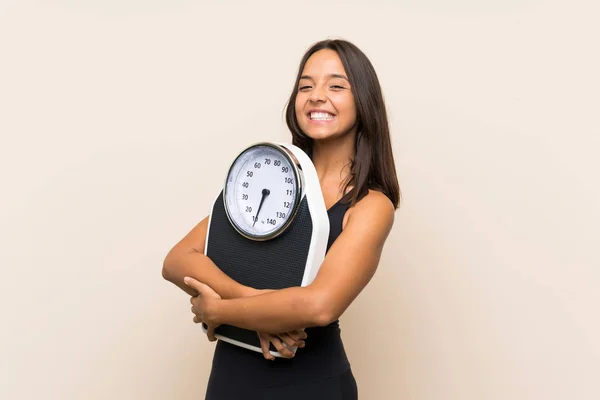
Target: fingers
298, 335
198, 315
264, 345
291, 341
194, 284
210, 332
284, 351
202, 288
266, 339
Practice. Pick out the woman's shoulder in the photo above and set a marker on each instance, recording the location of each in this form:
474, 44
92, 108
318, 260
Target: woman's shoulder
375, 206
375, 200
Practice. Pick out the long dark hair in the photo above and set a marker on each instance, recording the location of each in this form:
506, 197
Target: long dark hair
373, 166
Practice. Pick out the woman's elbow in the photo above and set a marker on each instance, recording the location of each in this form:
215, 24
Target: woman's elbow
166, 274
323, 313
324, 318
168, 267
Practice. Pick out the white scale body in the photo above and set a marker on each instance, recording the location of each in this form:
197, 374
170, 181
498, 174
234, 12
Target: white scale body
268, 227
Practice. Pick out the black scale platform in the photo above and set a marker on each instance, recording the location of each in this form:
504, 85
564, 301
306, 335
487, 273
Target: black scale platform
273, 264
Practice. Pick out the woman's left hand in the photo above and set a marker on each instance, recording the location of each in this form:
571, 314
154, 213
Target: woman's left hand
203, 306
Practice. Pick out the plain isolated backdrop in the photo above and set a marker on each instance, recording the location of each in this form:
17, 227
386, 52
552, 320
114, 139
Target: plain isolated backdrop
118, 120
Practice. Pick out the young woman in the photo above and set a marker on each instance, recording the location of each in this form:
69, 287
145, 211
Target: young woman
337, 115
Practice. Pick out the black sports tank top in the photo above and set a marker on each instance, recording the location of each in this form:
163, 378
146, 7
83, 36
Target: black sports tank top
322, 357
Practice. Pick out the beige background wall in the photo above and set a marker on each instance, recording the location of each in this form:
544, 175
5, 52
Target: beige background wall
118, 120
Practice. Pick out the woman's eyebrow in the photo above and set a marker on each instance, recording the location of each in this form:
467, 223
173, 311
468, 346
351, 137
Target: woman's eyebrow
338, 76
328, 76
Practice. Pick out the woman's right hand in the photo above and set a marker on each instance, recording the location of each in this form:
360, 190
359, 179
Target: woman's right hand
282, 342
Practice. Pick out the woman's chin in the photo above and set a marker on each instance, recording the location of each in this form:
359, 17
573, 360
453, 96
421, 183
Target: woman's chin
326, 135
318, 134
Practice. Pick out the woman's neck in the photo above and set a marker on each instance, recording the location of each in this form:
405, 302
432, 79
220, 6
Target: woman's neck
332, 159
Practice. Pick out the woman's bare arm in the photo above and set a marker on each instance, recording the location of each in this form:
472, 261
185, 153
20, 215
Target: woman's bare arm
187, 258
349, 265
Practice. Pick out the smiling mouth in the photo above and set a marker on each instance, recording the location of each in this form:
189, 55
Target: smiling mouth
320, 116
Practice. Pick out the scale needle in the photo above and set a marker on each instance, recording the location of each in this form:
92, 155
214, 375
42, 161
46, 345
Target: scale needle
265, 193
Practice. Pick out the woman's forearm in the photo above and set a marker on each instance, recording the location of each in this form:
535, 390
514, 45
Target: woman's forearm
200, 267
279, 311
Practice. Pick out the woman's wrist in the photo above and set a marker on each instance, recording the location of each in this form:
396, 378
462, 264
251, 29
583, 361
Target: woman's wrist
247, 291
214, 315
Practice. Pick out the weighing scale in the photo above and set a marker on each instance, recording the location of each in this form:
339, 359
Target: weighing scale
268, 227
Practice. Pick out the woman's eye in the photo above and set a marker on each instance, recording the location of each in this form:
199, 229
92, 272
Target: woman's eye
337, 87
304, 87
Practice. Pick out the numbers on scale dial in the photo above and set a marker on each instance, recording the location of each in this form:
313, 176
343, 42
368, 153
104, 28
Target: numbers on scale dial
265, 171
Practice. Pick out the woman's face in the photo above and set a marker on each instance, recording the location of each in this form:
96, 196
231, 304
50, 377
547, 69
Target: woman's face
325, 104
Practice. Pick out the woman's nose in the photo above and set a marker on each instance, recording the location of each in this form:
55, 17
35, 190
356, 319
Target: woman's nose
317, 95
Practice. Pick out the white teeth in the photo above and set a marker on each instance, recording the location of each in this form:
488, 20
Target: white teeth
322, 116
